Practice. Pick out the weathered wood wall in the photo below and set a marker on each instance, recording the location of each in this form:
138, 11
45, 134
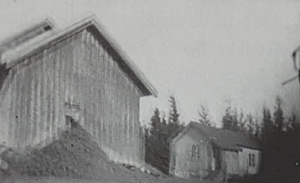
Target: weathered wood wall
77, 71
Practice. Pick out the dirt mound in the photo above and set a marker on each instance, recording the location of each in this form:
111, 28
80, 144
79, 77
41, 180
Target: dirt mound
74, 154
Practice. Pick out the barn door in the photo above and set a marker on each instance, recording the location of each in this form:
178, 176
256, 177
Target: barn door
71, 123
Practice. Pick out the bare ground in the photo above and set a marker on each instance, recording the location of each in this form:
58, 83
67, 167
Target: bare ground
23, 179
74, 157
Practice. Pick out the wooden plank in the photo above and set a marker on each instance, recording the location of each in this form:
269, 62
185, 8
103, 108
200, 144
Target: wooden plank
95, 91
83, 72
109, 102
122, 117
89, 104
50, 95
67, 65
112, 104
131, 126
47, 92
70, 66
61, 83
44, 98
84, 84
39, 81
13, 109
127, 126
56, 93
118, 110
76, 39
23, 115
101, 94
65, 83
21, 124
18, 107
34, 99
136, 121
27, 102
105, 101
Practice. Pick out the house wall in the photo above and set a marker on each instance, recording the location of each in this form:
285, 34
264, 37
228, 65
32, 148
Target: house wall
182, 163
232, 162
244, 161
78, 70
237, 162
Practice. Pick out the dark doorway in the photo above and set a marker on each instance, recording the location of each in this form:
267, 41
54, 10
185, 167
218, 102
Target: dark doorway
71, 122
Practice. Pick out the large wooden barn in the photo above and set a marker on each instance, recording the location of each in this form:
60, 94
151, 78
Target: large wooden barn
201, 151
51, 77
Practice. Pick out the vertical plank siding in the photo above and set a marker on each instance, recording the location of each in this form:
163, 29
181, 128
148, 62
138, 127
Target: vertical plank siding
18, 106
76, 70
12, 111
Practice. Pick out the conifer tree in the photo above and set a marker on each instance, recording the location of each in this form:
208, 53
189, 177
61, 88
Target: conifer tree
278, 115
203, 114
230, 120
173, 121
155, 122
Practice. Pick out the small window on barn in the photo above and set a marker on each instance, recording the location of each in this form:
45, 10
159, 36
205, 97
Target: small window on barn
48, 27
249, 160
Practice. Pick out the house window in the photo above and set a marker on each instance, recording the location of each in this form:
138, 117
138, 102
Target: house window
251, 160
195, 152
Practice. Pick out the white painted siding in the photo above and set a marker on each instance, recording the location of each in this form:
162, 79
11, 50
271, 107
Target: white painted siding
232, 162
182, 154
244, 161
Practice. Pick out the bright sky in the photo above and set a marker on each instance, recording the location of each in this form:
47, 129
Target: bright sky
204, 52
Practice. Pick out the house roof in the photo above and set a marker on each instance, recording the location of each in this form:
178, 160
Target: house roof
224, 139
36, 45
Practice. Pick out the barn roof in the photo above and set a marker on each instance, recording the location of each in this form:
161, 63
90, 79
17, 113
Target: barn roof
44, 41
224, 139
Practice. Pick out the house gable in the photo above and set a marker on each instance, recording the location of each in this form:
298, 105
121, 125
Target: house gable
191, 151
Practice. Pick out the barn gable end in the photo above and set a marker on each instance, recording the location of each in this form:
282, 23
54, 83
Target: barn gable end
74, 73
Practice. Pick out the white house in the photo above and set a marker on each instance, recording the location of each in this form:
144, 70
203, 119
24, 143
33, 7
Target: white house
201, 151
